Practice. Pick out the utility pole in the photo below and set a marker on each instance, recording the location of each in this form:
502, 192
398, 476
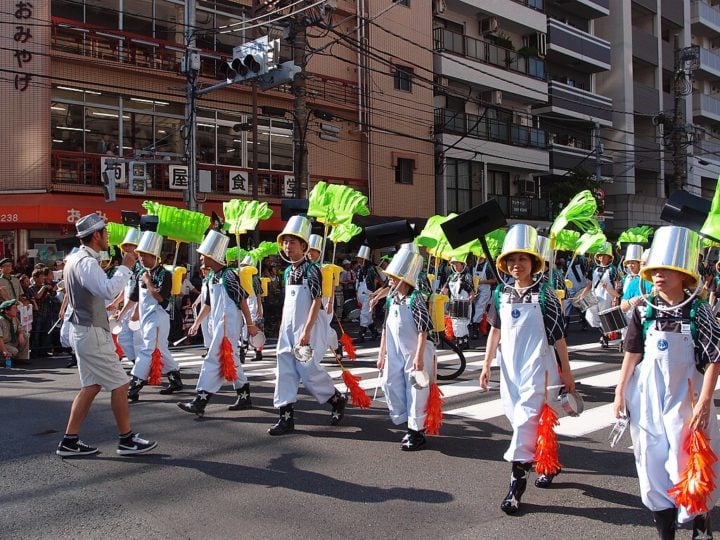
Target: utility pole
686, 60
191, 68
300, 115
254, 173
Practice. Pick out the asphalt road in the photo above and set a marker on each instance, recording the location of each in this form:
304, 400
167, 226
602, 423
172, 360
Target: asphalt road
223, 476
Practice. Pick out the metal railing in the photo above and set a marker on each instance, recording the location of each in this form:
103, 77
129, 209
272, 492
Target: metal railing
524, 207
489, 129
445, 40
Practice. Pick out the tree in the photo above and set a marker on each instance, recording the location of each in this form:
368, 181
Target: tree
565, 188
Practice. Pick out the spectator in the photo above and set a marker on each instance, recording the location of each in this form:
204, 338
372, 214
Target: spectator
43, 294
13, 339
10, 288
22, 265
25, 313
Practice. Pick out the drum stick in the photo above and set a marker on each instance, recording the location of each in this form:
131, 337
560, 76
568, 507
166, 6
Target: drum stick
54, 326
378, 384
179, 341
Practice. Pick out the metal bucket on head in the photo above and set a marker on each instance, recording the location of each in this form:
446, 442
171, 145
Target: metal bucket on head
674, 248
605, 249
633, 252
315, 242
405, 266
247, 261
214, 246
150, 243
364, 253
544, 248
298, 226
131, 237
521, 238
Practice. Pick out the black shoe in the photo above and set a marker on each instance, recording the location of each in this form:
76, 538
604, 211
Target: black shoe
71, 448
243, 401
413, 440
338, 402
518, 483
258, 356
286, 422
133, 445
198, 404
544, 481
72, 363
702, 527
339, 351
665, 523
604, 342
134, 389
175, 384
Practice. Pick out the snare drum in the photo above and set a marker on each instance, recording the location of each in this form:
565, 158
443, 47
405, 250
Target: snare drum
459, 309
612, 320
584, 301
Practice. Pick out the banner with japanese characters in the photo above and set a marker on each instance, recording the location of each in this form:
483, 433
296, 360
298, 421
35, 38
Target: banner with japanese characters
178, 177
239, 183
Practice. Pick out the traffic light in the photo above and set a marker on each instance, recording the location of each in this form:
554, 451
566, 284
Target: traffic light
251, 60
108, 185
284, 73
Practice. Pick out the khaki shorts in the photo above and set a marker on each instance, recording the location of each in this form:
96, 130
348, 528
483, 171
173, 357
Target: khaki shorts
97, 360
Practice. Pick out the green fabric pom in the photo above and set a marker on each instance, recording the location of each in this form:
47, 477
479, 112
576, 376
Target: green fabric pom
265, 249
334, 204
116, 233
178, 224
495, 241
636, 235
234, 254
344, 232
242, 216
567, 240
579, 211
591, 242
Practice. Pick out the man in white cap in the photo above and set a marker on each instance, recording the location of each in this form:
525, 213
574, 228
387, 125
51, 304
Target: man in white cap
226, 305
89, 290
300, 336
152, 296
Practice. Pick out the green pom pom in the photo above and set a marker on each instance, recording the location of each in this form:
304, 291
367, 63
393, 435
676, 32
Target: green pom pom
177, 223
116, 233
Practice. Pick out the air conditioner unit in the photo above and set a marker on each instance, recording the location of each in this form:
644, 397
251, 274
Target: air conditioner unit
541, 44
493, 97
489, 25
439, 7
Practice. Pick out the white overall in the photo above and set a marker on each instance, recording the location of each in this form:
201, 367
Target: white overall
459, 325
66, 328
363, 298
253, 304
578, 283
405, 402
290, 371
129, 341
604, 297
225, 321
326, 318
659, 406
155, 328
205, 323
483, 294
526, 358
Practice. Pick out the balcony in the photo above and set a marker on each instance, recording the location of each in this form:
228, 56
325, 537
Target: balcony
704, 18
647, 154
646, 99
707, 149
645, 46
80, 172
580, 50
706, 106
523, 207
673, 11
145, 53
488, 65
587, 9
569, 101
489, 129
525, 14
565, 158
709, 62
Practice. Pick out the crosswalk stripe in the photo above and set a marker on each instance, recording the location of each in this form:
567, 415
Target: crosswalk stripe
588, 422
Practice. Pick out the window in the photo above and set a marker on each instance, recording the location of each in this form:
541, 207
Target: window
464, 184
404, 171
402, 2
403, 78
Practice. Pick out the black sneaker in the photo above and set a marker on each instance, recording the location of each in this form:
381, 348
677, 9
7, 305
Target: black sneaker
68, 448
133, 445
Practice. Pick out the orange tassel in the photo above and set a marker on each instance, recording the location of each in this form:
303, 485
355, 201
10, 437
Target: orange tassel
347, 343
697, 481
448, 328
227, 360
358, 397
156, 365
546, 449
433, 411
118, 348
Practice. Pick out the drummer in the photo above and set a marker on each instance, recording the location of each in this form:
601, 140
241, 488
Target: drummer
604, 286
462, 295
528, 365
325, 314
254, 302
483, 282
632, 284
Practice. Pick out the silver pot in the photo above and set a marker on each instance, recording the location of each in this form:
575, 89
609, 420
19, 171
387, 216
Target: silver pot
521, 238
633, 252
572, 403
315, 242
405, 266
674, 248
131, 237
298, 226
364, 253
150, 243
214, 246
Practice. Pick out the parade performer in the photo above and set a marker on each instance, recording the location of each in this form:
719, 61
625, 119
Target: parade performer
14, 341
367, 282
462, 295
633, 285
89, 290
669, 345
130, 340
325, 315
298, 329
254, 302
405, 349
225, 308
603, 285
152, 295
532, 311
484, 282
200, 301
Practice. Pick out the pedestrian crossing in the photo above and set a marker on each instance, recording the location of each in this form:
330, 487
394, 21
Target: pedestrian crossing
463, 397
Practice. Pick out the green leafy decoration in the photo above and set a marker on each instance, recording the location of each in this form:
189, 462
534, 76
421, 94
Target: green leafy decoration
495, 241
711, 227
318, 201
177, 223
242, 216
591, 242
567, 240
344, 232
334, 204
265, 249
234, 254
580, 211
636, 235
116, 233
432, 233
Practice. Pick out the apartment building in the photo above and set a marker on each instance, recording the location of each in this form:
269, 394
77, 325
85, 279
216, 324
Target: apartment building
89, 82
